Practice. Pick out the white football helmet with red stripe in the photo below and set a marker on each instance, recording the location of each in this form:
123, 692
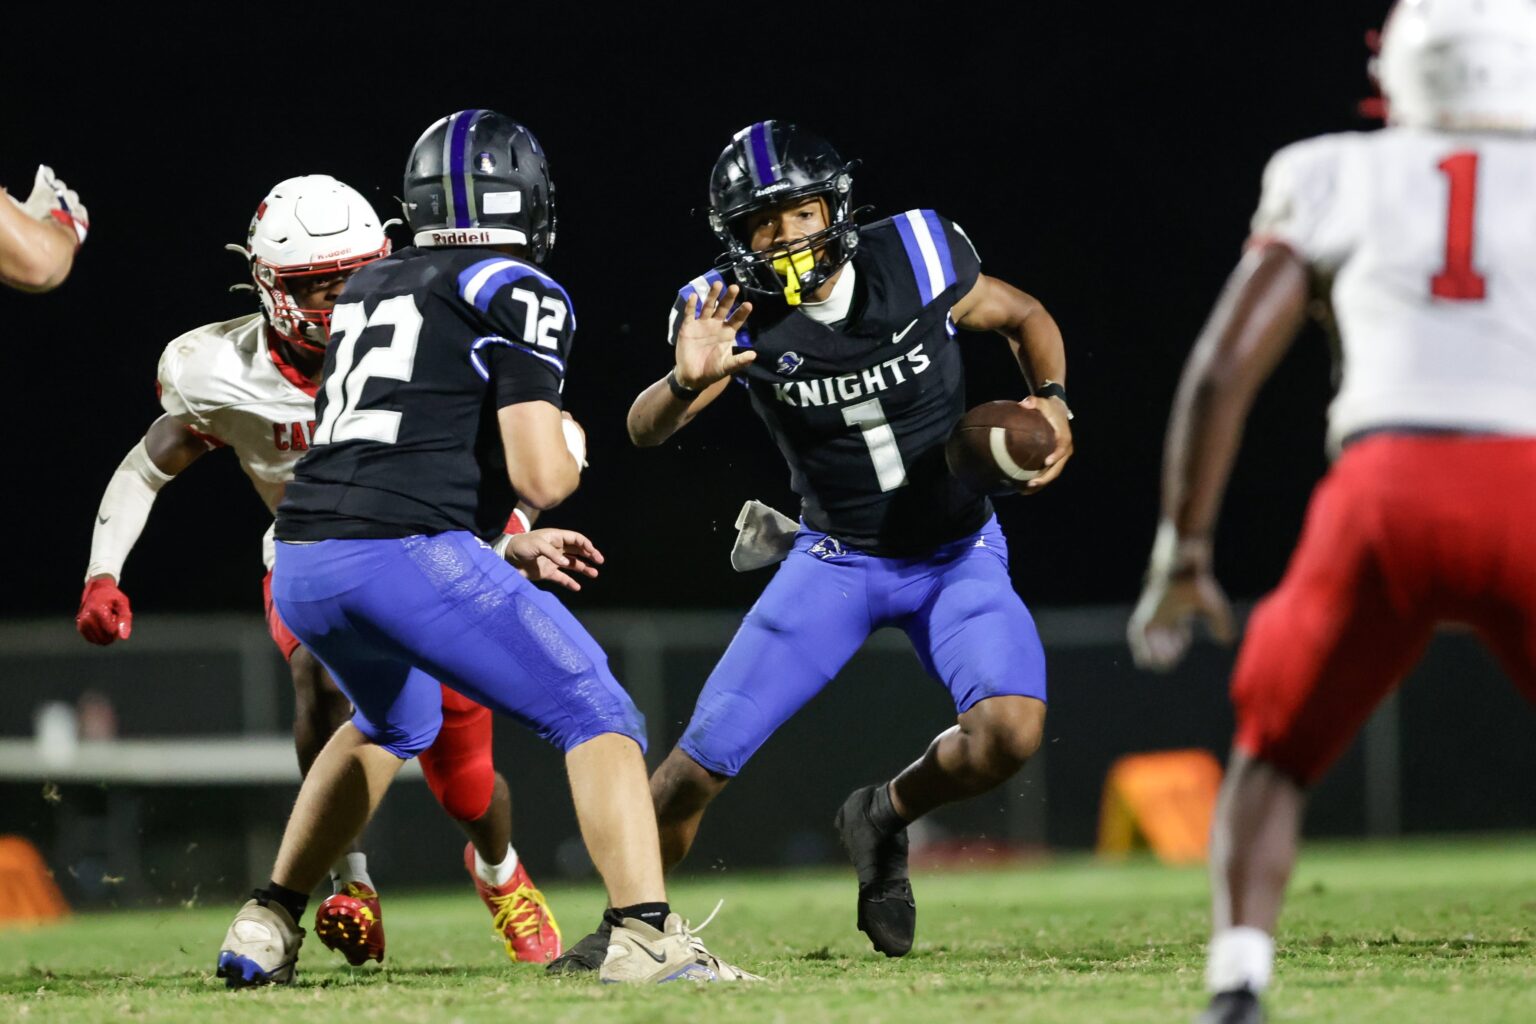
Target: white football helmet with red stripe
309, 227
1460, 64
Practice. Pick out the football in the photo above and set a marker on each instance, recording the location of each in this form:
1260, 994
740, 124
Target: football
998, 445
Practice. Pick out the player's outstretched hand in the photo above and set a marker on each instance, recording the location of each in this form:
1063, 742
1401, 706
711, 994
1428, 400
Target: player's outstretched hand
1055, 412
105, 614
1173, 600
554, 556
707, 338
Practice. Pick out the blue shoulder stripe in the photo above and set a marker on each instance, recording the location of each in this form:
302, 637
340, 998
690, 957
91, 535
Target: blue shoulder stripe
698, 286
922, 234
479, 282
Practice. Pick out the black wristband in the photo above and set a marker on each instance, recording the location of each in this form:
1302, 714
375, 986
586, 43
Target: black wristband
1050, 389
681, 393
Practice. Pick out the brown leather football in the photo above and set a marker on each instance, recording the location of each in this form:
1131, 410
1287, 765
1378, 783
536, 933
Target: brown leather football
999, 445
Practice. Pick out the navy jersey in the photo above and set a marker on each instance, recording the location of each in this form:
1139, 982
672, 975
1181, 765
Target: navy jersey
426, 345
861, 410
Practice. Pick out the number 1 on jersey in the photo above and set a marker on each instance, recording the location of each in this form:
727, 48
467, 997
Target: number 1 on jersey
1458, 280
884, 452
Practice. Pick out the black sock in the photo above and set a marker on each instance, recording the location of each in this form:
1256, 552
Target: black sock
653, 914
882, 813
290, 900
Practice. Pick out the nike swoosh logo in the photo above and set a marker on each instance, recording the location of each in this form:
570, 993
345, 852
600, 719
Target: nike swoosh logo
896, 338
102, 519
659, 958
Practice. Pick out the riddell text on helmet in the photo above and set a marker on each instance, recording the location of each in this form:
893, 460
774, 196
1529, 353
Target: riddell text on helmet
460, 237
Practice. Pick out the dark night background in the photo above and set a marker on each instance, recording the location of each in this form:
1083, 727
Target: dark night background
1105, 158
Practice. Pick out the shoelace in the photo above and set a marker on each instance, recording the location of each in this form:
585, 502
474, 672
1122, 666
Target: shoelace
521, 910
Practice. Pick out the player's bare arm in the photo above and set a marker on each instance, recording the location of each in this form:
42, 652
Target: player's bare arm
705, 361
35, 255
1032, 333
38, 237
543, 470
1252, 326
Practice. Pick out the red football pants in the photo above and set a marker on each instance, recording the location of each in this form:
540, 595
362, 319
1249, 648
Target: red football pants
1404, 532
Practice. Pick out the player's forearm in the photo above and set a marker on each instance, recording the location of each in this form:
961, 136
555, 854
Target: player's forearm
123, 511
1038, 347
1250, 329
658, 412
35, 255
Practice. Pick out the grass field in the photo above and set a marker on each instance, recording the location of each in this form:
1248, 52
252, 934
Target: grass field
1442, 931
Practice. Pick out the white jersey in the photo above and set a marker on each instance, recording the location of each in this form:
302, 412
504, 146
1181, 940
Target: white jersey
223, 382
1430, 240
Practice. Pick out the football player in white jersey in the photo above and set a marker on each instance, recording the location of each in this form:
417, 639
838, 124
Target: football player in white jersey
1423, 235
38, 238
249, 384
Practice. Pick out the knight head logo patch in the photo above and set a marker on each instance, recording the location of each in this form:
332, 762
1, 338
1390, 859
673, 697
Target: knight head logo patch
828, 547
789, 362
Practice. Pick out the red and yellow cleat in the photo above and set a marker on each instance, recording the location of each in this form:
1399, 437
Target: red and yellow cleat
520, 916
352, 923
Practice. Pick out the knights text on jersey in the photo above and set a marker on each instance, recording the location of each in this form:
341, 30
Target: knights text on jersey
861, 410
1429, 239
224, 382
426, 346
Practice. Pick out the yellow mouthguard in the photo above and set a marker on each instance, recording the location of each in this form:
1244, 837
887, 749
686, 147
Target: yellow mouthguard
790, 267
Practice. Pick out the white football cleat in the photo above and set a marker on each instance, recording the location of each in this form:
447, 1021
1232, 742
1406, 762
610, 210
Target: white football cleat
260, 948
640, 954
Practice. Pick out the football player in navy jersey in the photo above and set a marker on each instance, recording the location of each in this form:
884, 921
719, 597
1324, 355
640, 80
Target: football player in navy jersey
439, 411
849, 352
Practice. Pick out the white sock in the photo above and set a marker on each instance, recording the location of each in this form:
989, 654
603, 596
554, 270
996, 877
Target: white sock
351, 868
1240, 958
496, 874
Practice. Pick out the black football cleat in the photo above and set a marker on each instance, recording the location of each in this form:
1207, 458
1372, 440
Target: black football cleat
586, 956
1239, 1006
887, 912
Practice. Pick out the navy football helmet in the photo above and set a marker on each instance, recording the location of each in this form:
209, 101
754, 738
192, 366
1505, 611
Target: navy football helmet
767, 164
480, 178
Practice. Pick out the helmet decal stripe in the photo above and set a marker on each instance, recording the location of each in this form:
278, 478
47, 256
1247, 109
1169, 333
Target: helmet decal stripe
463, 191
450, 216
765, 164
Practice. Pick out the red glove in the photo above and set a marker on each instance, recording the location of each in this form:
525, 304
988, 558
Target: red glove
104, 614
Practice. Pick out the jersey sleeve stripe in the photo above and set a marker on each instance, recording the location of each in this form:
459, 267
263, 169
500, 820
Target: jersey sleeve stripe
940, 246
923, 254
479, 283
698, 286
478, 361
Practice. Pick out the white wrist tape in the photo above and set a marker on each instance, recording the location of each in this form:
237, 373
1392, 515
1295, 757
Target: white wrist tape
123, 511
